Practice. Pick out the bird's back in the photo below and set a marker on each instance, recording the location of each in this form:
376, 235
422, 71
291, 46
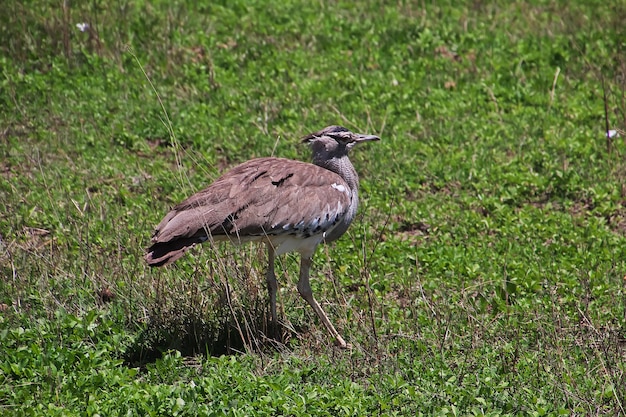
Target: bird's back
287, 202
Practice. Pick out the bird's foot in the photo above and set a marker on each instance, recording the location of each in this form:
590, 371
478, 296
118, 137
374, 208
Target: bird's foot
342, 343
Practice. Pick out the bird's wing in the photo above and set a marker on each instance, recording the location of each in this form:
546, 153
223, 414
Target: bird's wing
265, 196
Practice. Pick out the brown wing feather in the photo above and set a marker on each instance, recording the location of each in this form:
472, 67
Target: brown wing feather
260, 197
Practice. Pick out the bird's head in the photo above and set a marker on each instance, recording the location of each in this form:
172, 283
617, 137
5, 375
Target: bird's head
334, 141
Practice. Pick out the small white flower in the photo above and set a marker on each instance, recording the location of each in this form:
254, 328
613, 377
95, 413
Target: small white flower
612, 134
82, 26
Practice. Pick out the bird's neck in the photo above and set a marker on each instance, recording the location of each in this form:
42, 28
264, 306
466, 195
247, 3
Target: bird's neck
342, 167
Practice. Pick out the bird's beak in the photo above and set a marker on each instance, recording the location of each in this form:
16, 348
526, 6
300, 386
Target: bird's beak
365, 138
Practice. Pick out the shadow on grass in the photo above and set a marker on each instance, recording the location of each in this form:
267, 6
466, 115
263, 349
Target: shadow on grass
193, 336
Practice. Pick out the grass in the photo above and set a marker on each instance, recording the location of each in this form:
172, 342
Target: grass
483, 276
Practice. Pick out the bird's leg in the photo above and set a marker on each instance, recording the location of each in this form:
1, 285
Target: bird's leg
272, 285
304, 288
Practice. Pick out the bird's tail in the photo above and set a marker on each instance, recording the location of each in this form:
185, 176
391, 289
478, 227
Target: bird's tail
163, 253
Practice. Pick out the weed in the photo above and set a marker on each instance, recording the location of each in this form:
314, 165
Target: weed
484, 274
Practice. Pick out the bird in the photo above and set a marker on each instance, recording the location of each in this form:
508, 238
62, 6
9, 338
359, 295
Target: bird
289, 205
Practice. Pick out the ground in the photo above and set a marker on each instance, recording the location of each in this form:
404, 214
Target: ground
485, 272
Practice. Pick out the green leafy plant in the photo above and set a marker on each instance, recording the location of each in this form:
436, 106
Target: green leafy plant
483, 276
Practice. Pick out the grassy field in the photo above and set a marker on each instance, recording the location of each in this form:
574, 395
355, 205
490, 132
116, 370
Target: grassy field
485, 273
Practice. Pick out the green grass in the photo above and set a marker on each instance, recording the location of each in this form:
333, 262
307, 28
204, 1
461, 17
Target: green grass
484, 275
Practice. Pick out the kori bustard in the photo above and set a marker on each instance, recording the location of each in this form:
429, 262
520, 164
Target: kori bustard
288, 205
